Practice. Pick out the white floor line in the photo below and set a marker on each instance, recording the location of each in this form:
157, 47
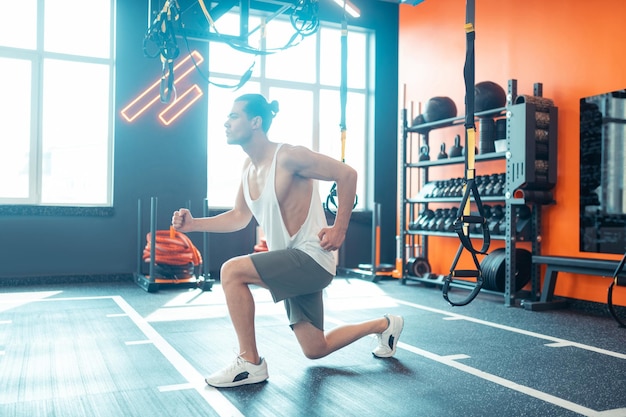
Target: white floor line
175, 387
457, 357
555, 341
618, 412
212, 396
93, 297
138, 342
451, 360
116, 315
225, 408
560, 402
195, 380
558, 344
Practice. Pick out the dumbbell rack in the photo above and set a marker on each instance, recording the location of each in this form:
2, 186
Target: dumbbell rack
530, 156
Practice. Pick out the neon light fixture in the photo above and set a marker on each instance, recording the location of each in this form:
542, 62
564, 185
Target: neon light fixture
150, 96
180, 105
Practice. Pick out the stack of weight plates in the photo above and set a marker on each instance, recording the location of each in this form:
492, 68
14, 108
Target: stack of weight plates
493, 268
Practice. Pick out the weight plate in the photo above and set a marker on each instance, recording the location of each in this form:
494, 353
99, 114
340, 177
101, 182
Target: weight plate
418, 267
493, 268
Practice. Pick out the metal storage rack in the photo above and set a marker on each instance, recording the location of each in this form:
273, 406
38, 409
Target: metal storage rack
530, 159
152, 282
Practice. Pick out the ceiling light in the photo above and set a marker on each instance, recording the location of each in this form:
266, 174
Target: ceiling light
350, 8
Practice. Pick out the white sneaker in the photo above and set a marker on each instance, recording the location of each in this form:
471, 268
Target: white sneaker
388, 340
241, 372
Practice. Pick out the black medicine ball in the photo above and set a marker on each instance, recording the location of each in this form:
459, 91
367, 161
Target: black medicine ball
488, 95
418, 120
439, 108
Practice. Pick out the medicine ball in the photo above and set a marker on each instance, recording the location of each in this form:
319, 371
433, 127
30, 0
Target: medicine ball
488, 95
418, 120
439, 108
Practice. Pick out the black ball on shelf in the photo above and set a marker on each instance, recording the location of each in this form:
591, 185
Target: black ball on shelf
488, 95
439, 108
419, 119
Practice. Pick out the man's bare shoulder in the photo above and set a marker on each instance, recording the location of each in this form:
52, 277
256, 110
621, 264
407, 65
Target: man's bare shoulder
293, 150
246, 163
296, 154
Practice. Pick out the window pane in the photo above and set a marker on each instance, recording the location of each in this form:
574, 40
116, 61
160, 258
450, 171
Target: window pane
330, 134
78, 27
293, 64
75, 133
15, 129
18, 24
225, 161
292, 77
330, 68
225, 59
293, 123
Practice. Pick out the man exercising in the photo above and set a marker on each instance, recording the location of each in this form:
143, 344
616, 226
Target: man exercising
279, 188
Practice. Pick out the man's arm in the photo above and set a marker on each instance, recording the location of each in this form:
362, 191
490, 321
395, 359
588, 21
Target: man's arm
230, 221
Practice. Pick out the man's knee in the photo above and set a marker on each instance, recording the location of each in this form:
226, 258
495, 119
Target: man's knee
230, 270
313, 352
311, 340
238, 270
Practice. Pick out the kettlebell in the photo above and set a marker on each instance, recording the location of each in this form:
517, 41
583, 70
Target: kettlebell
442, 152
424, 156
456, 149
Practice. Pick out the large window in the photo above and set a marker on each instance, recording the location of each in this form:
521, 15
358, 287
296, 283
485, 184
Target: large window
56, 61
305, 80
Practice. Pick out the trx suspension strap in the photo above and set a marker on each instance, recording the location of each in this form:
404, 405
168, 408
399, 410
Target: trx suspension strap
616, 281
466, 218
161, 33
343, 89
331, 202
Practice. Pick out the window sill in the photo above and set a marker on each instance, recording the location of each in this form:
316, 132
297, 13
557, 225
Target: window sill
26, 210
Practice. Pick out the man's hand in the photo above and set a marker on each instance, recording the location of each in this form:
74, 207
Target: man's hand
331, 238
182, 220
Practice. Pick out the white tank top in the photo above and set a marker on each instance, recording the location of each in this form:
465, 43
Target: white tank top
266, 211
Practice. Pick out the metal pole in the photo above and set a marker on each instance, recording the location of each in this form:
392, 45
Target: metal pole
206, 272
153, 214
375, 223
139, 250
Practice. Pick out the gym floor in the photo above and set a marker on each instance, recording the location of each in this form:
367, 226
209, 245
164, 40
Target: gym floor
112, 349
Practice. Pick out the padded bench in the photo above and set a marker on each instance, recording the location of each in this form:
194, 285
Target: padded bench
556, 264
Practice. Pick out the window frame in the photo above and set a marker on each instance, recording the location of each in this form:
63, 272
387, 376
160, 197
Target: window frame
316, 88
37, 57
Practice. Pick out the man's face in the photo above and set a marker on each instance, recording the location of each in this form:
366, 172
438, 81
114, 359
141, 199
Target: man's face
239, 127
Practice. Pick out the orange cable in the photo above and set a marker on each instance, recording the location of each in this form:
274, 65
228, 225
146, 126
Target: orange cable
172, 248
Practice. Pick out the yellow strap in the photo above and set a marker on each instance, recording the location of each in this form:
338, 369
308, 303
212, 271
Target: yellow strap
470, 173
207, 15
471, 149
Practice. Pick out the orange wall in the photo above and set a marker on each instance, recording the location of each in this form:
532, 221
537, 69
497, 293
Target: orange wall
575, 48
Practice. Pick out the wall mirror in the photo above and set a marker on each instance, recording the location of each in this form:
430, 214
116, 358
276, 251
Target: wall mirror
603, 173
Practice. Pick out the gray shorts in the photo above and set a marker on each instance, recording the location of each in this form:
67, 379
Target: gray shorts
293, 276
